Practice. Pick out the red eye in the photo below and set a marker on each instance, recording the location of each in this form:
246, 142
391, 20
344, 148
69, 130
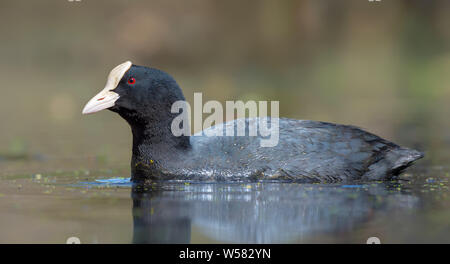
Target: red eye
131, 81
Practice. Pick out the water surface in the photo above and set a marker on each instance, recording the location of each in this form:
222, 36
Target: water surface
102, 206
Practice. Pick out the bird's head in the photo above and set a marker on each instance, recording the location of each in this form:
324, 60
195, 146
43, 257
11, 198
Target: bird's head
139, 94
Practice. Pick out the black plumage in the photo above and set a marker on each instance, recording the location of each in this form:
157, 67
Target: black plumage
308, 151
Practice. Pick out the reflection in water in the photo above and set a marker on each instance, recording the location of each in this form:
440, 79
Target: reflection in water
256, 213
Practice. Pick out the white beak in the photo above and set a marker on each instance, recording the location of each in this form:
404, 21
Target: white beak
106, 98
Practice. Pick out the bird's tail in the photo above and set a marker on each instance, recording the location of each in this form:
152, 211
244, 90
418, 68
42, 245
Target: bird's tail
402, 158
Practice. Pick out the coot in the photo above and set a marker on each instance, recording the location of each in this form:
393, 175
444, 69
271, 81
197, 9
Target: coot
307, 151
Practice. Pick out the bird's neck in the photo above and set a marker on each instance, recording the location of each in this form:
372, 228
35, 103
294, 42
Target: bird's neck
153, 146
154, 138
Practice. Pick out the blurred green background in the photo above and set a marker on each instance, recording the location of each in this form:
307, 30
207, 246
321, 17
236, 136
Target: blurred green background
383, 66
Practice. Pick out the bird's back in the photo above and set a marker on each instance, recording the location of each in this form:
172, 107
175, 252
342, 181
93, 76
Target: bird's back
307, 151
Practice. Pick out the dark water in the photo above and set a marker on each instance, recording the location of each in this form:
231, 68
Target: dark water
99, 206
290, 213
259, 213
